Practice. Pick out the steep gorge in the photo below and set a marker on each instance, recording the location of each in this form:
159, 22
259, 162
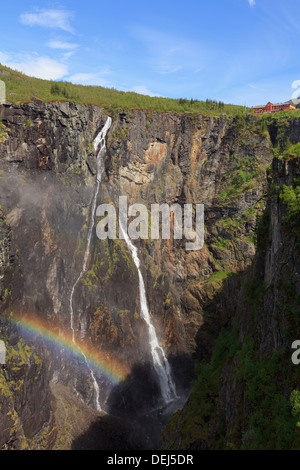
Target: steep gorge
47, 180
246, 395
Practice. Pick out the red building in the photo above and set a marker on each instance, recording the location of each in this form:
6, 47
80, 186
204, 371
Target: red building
273, 108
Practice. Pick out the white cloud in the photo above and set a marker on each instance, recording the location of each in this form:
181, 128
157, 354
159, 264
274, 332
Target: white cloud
66, 55
95, 79
36, 66
251, 3
55, 19
142, 90
255, 87
165, 69
67, 46
3, 58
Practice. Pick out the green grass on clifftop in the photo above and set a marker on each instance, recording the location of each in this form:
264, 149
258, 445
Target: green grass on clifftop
21, 88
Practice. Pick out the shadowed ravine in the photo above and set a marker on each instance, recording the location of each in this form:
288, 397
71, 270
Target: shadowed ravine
135, 417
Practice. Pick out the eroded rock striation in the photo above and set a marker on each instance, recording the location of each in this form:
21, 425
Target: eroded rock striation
47, 182
247, 389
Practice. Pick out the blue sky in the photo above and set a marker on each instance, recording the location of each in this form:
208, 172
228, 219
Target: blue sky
237, 51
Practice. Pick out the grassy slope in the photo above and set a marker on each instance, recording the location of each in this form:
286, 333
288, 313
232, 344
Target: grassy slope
21, 88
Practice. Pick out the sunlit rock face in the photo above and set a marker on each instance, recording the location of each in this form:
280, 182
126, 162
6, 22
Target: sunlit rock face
47, 183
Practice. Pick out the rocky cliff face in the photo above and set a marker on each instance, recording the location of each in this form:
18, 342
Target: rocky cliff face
246, 392
43, 216
48, 177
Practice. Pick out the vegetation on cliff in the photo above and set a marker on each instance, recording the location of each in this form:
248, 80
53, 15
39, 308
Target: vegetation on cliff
22, 88
246, 395
3, 132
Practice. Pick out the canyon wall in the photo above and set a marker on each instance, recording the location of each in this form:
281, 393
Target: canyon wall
247, 389
47, 182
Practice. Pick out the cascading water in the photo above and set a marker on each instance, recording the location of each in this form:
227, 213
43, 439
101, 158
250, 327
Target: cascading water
100, 147
160, 362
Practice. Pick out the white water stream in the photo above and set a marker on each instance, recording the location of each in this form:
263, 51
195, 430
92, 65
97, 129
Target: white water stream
160, 362
100, 147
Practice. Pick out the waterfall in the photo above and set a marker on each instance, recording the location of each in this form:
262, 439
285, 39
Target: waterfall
100, 148
160, 362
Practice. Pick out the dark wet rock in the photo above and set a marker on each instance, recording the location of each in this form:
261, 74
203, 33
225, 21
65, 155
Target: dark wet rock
48, 170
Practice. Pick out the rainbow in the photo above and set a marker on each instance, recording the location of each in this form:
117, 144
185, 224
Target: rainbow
57, 336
